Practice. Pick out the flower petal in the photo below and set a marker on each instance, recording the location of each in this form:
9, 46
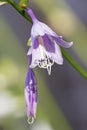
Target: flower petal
37, 30
36, 56
47, 29
30, 50
61, 42
36, 43
48, 43
57, 56
29, 59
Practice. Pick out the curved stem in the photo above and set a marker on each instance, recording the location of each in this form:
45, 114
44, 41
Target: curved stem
64, 52
20, 10
74, 63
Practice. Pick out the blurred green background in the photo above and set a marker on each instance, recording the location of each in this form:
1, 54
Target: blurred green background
62, 96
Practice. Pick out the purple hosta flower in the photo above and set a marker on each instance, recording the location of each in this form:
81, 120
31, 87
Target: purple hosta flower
45, 48
30, 95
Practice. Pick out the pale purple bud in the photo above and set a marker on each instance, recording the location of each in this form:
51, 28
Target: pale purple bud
30, 95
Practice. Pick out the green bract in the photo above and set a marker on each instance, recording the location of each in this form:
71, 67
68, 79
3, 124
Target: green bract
23, 3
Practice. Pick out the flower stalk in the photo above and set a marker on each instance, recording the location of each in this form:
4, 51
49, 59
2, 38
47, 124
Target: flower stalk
20, 10
74, 63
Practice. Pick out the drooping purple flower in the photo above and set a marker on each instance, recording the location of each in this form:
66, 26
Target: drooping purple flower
30, 95
45, 44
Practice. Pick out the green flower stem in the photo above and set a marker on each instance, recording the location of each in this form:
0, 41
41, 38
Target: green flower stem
64, 52
74, 63
20, 10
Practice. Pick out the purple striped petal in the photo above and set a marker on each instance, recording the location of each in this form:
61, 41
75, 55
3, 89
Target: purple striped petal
29, 59
61, 42
30, 95
57, 56
36, 56
48, 43
36, 43
30, 79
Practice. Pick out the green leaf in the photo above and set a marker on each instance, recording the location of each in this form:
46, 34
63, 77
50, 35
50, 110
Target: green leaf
74, 63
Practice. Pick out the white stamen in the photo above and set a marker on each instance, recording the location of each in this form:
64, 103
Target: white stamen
45, 61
